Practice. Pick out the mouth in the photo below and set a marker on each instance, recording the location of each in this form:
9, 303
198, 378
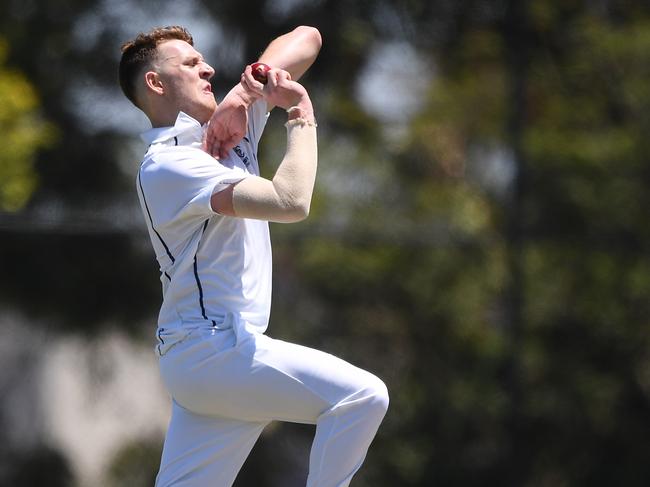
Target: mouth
208, 89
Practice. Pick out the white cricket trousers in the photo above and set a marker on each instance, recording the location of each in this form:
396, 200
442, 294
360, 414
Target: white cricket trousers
227, 385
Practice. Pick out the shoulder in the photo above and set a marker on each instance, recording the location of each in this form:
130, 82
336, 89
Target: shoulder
180, 168
176, 160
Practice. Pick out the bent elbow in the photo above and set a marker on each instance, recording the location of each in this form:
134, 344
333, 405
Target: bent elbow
312, 34
299, 212
317, 37
303, 212
296, 211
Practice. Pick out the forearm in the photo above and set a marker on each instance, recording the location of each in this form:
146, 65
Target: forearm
239, 96
294, 51
287, 198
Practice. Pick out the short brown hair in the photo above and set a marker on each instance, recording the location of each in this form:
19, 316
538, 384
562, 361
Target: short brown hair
141, 52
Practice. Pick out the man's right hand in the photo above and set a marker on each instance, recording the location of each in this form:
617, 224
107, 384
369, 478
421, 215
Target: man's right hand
283, 92
280, 90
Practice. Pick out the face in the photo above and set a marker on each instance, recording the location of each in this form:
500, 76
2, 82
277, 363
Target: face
185, 79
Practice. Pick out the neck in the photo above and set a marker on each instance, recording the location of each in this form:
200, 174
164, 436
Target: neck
159, 113
162, 120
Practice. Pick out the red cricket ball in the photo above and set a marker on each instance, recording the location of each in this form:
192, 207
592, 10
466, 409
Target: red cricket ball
260, 71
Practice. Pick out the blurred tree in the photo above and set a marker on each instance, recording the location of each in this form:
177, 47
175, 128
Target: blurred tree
487, 256
41, 465
69, 255
25, 134
534, 303
135, 465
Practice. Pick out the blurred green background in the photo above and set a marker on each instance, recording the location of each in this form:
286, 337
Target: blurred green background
479, 237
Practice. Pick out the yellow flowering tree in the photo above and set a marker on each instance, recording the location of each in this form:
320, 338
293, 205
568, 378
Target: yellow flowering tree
25, 132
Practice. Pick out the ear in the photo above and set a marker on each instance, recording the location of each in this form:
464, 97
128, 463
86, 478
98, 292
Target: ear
153, 82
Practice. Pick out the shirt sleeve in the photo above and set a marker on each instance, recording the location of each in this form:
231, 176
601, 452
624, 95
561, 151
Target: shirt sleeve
179, 183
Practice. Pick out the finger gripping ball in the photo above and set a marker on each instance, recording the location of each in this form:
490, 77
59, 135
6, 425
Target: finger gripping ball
260, 71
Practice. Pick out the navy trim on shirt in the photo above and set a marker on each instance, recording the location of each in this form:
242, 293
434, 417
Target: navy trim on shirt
198, 280
169, 254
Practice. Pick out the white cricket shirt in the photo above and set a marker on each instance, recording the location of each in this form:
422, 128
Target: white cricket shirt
210, 264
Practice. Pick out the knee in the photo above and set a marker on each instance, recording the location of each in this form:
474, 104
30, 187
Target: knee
377, 396
369, 402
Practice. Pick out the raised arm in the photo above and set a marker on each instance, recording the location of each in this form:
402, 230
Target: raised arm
293, 52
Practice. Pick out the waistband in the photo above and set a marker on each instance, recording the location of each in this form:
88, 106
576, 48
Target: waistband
170, 336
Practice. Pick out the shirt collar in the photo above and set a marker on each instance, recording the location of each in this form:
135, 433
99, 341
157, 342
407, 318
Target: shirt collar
188, 129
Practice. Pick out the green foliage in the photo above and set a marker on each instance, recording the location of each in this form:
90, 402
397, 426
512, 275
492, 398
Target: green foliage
496, 381
509, 319
24, 134
135, 465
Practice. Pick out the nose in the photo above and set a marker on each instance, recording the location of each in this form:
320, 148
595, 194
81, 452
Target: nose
207, 71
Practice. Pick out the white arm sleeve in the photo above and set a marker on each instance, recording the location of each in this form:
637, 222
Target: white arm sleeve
287, 197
